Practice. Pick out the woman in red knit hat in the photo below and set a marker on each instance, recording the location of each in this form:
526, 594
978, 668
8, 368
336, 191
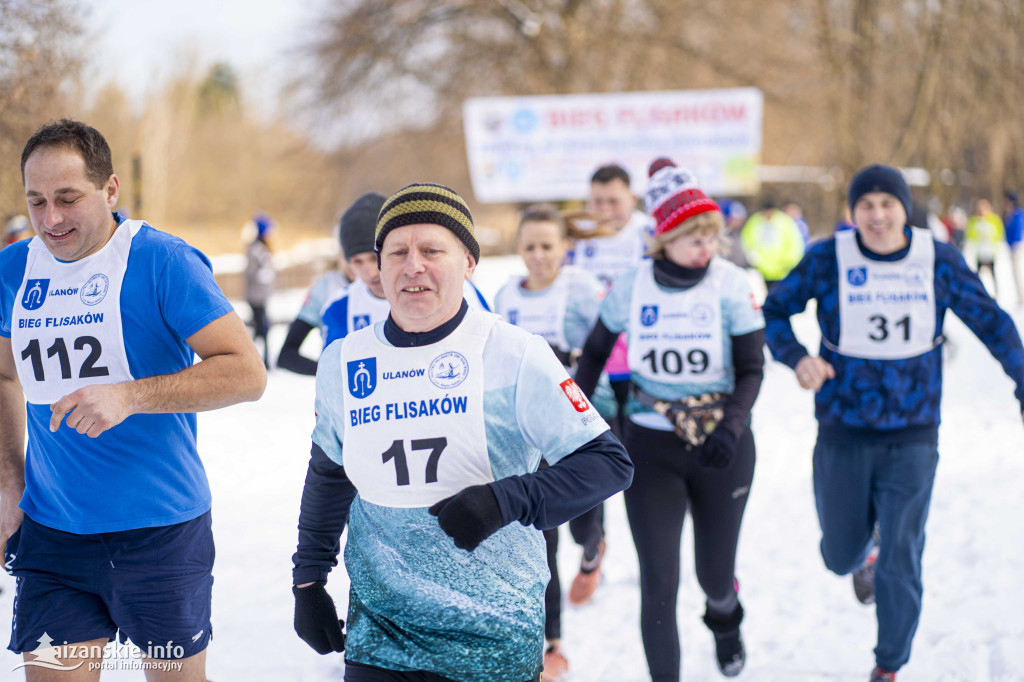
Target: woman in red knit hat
695, 338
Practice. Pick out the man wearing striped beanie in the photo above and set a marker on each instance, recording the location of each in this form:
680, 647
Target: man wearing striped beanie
429, 429
428, 203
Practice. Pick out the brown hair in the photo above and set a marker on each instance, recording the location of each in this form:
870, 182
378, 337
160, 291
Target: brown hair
541, 213
606, 174
77, 137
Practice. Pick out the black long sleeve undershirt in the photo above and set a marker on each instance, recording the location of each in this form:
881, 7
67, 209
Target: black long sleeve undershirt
575, 484
748, 361
593, 357
323, 513
289, 358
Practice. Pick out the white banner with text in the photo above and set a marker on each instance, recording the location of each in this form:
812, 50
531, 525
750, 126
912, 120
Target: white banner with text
545, 148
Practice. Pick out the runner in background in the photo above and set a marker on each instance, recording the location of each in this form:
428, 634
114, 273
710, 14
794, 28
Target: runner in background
983, 236
355, 234
1013, 222
882, 292
558, 303
696, 359
772, 242
259, 280
735, 214
620, 246
793, 210
17, 226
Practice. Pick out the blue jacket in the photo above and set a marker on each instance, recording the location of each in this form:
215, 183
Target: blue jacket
895, 400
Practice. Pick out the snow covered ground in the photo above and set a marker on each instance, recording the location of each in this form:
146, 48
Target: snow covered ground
802, 622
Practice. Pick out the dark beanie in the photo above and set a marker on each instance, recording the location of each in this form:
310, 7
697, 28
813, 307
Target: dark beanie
879, 178
431, 204
357, 224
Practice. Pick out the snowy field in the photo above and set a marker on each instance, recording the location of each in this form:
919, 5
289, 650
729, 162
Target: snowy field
803, 623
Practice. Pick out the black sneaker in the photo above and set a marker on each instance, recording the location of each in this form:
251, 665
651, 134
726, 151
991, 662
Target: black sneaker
729, 650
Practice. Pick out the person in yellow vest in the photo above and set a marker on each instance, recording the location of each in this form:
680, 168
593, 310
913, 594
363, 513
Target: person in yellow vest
772, 243
983, 234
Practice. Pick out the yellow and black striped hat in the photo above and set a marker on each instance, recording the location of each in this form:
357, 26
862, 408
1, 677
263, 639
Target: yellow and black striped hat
425, 202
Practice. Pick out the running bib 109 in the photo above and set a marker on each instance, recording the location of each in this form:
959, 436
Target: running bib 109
675, 337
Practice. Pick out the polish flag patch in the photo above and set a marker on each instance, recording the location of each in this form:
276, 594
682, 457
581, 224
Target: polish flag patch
575, 395
753, 303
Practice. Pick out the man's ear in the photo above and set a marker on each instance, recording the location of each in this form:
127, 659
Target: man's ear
112, 190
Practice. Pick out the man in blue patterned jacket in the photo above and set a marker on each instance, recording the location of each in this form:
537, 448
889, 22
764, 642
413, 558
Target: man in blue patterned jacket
882, 292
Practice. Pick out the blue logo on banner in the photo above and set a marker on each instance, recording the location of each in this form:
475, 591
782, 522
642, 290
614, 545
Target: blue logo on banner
362, 377
857, 276
35, 293
360, 321
524, 120
648, 315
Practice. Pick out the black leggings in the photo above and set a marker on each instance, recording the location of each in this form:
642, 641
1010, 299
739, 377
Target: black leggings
260, 327
667, 480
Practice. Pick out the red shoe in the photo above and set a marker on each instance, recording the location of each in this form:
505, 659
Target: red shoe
555, 664
586, 581
879, 675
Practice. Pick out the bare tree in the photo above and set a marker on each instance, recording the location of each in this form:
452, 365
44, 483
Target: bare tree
40, 56
846, 82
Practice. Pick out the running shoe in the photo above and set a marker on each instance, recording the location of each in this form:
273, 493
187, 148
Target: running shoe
587, 580
556, 665
879, 675
864, 577
730, 654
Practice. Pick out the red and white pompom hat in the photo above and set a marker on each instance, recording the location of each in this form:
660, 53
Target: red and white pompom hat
673, 196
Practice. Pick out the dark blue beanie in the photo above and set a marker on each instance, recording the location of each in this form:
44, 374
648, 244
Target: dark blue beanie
358, 223
879, 178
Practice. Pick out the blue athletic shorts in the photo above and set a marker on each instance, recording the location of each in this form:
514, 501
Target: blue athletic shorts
150, 585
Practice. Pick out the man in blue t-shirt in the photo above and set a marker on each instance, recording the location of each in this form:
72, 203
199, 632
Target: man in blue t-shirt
106, 513
882, 292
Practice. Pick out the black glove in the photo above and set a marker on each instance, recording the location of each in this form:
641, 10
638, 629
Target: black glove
470, 516
316, 619
718, 450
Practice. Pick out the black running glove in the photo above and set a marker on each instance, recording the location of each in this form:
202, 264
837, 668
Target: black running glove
718, 450
470, 516
316, 619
